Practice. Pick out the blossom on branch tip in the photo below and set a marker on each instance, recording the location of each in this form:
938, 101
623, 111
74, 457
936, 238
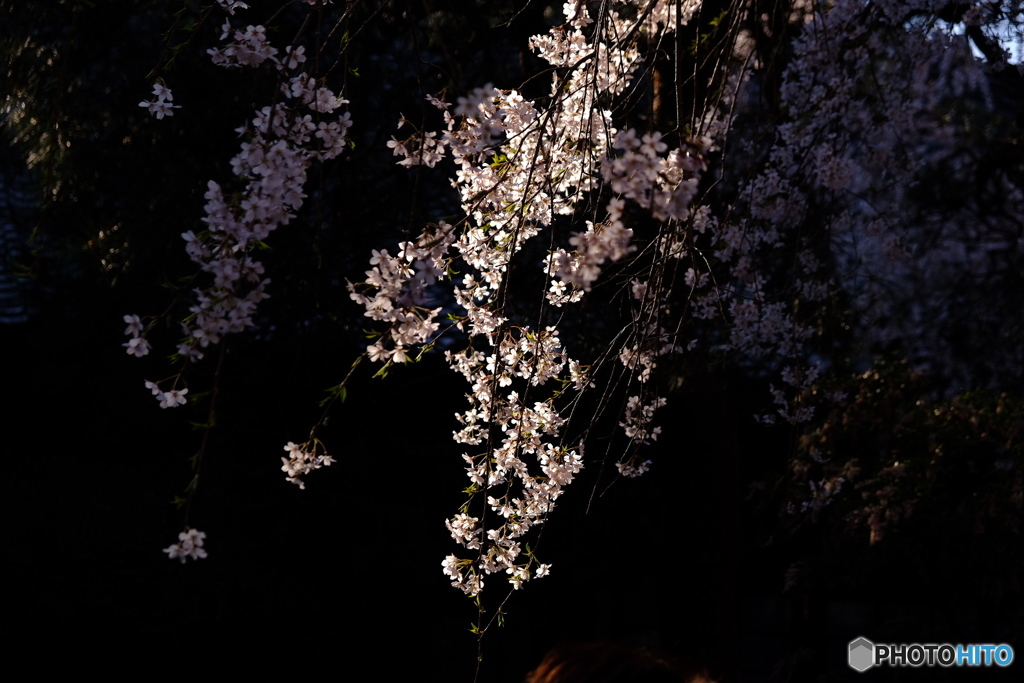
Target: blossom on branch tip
134, 325
630, 471
170, 399
137, 347
173, 398
161, 106
231, 5
189, 545
301, 462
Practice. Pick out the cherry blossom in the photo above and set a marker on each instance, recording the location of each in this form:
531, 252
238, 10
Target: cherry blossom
301, 462
160, 106
137, 346
591, 193
189, 546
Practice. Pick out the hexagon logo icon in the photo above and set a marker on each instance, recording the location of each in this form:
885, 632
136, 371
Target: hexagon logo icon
862, 654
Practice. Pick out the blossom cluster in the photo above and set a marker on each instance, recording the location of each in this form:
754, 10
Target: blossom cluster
301, 462
608, 241
639, 418
230, 6
189, 546
664, 185
396, 291
521, 165
305, 123
281, 142
138, 345
526, 462
161, 105
873, 104
167, 399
